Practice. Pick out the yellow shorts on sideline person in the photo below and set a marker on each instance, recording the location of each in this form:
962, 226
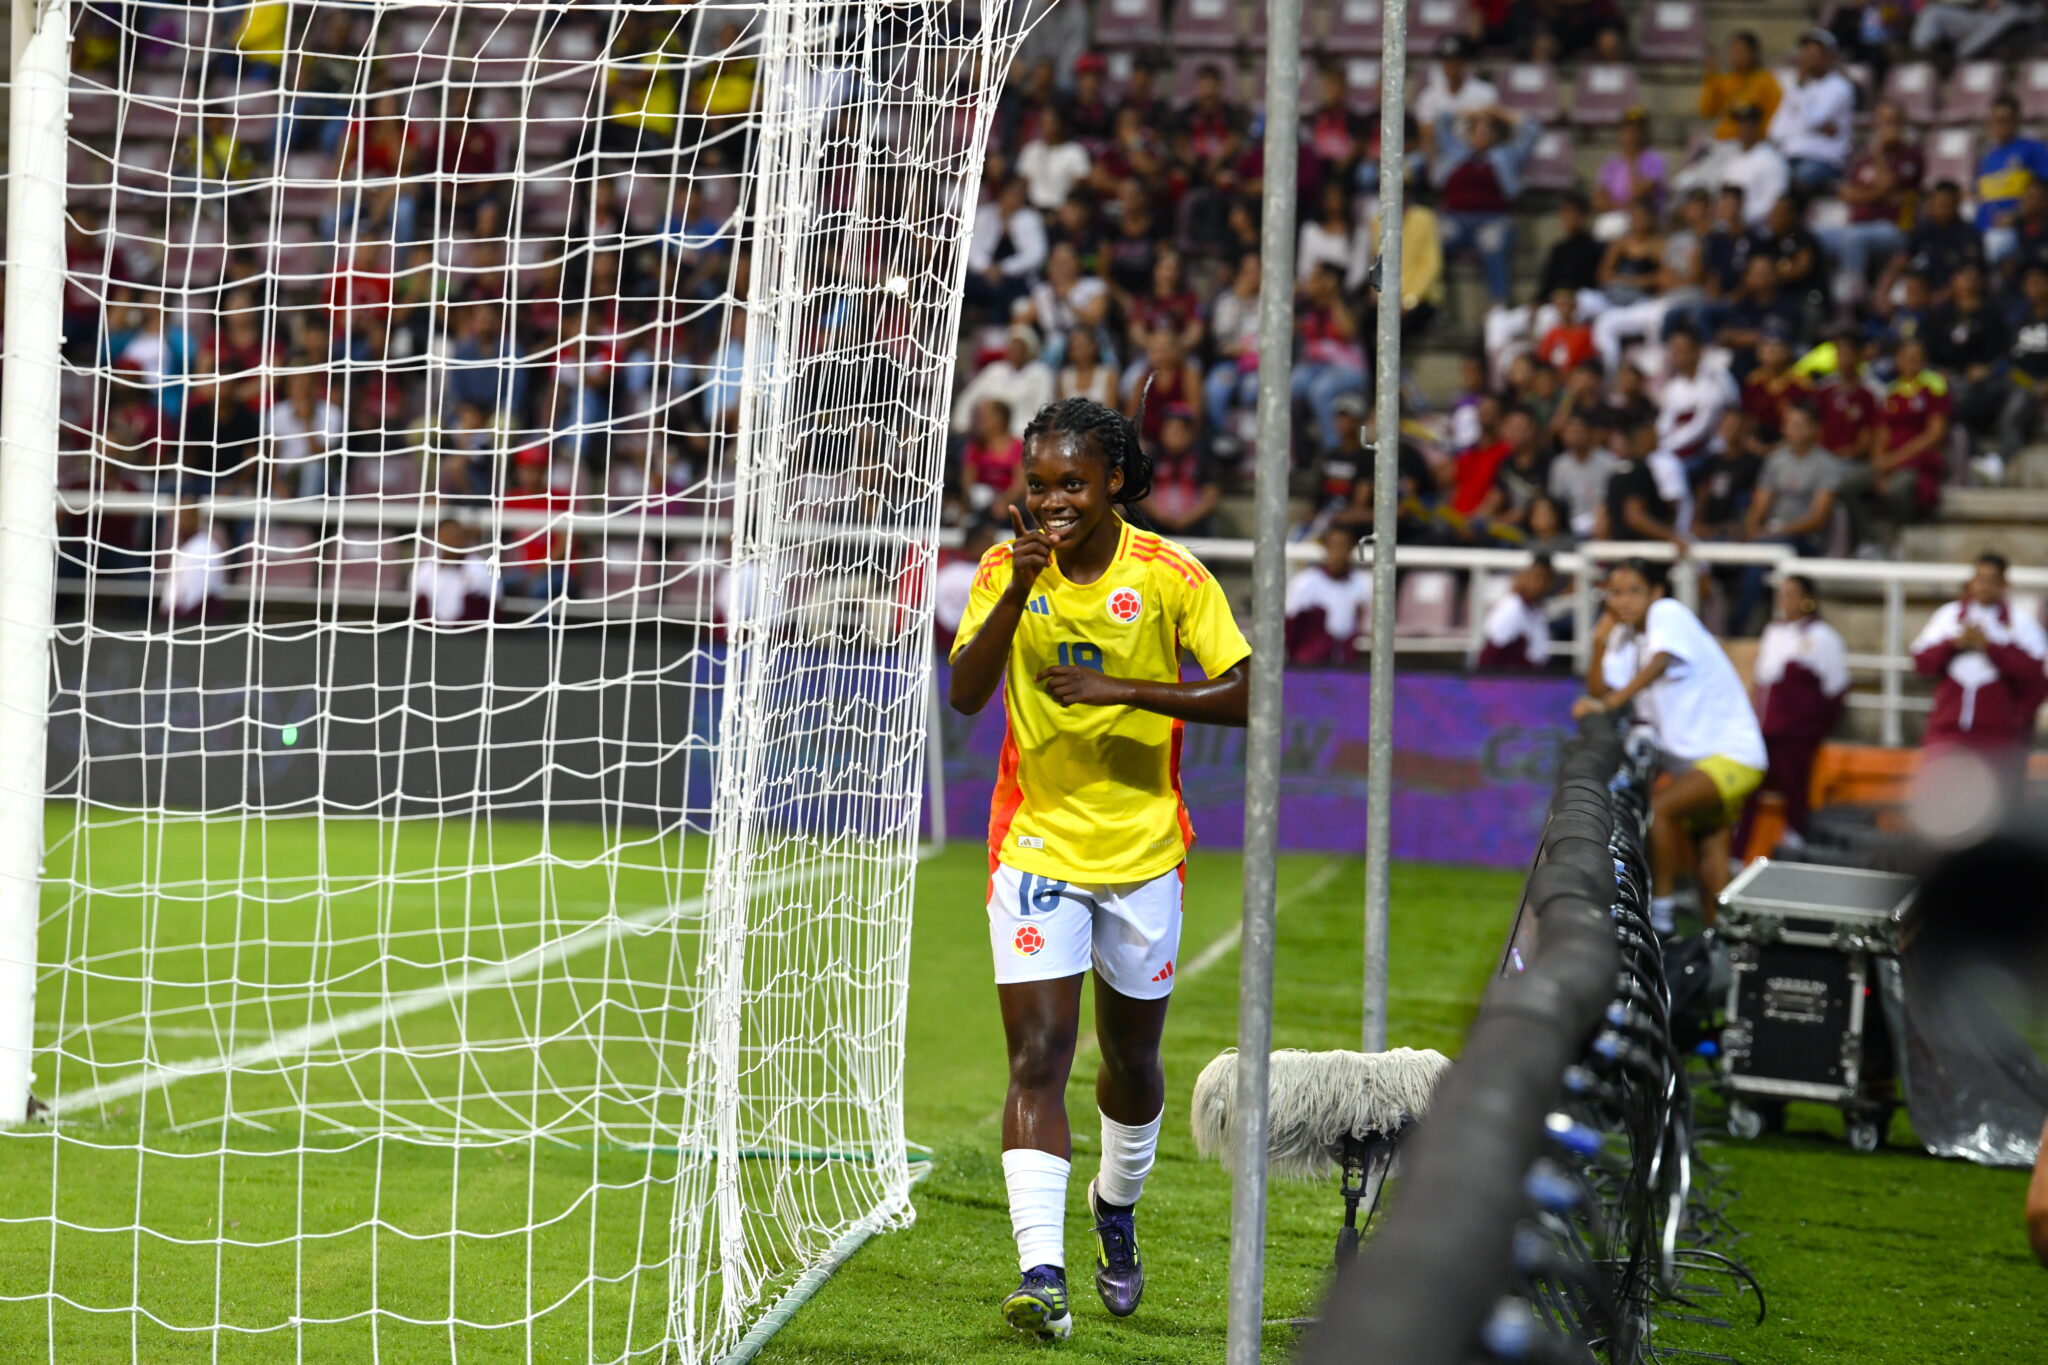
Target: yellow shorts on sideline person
1735, 781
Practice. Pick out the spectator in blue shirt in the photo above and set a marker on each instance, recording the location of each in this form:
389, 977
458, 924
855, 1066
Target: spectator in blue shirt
1477, 169
2010, 163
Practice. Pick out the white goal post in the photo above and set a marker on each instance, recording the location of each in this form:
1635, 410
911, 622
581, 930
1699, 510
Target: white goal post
519, 973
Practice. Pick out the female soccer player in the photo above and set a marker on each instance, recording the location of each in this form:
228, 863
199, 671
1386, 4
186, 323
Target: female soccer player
1703, 720
1082, 618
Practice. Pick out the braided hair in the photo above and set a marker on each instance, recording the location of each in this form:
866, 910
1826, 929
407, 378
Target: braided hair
1111, 435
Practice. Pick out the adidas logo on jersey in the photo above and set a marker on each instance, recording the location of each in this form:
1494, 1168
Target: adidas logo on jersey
1040, 605
1165, 973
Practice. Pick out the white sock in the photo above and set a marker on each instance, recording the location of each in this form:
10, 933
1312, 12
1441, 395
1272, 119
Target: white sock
1127, 1152
1662, 909
1038, 1206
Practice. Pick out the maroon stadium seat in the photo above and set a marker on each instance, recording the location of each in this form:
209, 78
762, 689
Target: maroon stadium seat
1427, 603
1952, 155
1970, 92
1432, 21
1550, 164
1531, 88
1128, 23
1672, 31
1911, 86
1204, 24
2031, 89
1362, 84
1352, 26
1602, 94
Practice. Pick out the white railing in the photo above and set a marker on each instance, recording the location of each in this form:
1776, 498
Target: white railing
1483, 571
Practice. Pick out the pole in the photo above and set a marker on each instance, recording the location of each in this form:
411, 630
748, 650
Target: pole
28, 512
1379, 813
1269, 644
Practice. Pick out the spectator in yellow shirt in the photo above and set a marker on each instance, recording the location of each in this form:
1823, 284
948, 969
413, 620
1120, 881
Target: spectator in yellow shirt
1746, 81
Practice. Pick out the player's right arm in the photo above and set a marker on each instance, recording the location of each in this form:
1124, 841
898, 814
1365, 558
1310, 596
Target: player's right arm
990, 625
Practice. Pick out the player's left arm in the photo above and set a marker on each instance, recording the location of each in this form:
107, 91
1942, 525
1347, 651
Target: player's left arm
1209, 632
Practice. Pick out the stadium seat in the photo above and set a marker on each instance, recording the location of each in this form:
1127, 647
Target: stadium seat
1427, 604
1209, 25
1531, 88
1911, 86
1362, 84
1672, 31
1970, 92
1602, 94
1432, 21
1952, 155
1352, 26
1128, 23
2031, 90
1551, 165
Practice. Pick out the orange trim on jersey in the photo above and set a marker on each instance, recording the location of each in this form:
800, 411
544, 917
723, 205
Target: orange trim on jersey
1003, 803
1158, 553
997, 557
1187, 826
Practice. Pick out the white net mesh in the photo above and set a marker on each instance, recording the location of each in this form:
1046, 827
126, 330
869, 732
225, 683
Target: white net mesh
499, 466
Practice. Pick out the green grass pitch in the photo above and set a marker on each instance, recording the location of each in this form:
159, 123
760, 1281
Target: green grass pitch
1891, 1257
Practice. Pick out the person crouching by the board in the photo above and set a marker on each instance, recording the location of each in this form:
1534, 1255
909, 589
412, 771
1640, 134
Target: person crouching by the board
1081, 621
1703, 721
1987, 662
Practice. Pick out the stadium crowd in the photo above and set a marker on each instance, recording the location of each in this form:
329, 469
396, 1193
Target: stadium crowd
1791, 322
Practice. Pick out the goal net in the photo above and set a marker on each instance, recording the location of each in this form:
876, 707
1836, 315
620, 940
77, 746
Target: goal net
476, 762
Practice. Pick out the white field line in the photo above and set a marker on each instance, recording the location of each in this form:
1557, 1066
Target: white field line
297, 1042
1216, 951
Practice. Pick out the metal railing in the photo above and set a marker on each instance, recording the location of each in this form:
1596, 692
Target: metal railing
1881, 673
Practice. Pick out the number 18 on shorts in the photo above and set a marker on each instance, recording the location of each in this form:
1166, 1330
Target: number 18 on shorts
1129, 932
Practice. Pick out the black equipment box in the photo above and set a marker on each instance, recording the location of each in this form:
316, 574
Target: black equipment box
1803, 1019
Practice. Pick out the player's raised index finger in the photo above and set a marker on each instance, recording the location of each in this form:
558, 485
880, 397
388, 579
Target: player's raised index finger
1016, 519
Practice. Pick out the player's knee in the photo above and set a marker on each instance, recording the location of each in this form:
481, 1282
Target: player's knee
1040, 1060
1133, 1069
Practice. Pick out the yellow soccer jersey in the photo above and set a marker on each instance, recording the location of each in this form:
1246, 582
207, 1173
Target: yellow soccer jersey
1091, 794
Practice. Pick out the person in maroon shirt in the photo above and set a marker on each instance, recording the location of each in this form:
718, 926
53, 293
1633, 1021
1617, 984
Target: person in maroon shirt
1902, 481
1882, 190
1987, 659
1089, 113
1771, 388
1800, 682
1845, 403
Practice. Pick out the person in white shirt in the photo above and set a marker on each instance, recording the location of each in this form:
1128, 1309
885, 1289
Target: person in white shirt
1801, 680
1815, 117
1018, 380
1757, 168
1703, 721
953, 584
1516, 634
1052, 163
1328, 604
196, 575
1690, 399
1006, 250
1451, 88
450, 585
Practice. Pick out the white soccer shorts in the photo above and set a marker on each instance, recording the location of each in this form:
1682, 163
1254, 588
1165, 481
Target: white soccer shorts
1041, 930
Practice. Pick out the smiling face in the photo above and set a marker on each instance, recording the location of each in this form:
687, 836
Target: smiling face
1629, 596
1068, 487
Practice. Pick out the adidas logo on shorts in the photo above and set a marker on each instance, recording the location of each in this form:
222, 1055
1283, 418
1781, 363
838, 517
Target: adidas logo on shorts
1165, 973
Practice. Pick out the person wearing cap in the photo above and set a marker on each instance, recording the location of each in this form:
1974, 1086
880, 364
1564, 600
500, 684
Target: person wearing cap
1985, 29
1451, 88
1813, 121
1089, 111
1019, 381
1758, 167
